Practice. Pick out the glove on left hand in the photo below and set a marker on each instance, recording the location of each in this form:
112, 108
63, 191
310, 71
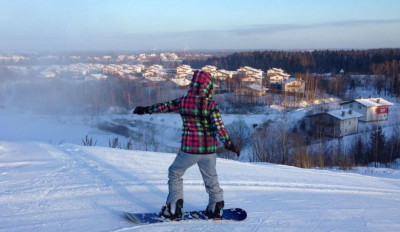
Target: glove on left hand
234, 148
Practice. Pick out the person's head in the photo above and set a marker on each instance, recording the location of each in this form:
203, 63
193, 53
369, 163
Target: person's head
201, 84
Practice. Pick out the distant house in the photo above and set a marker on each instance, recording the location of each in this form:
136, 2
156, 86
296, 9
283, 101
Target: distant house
210, 69
293, 85
249, 75
274, 71
112, 68
372, 109
155, 73
223, 74
251, 82
48, 74
279, 80
336, 123
121, 57
155, 67
169, 56
276, 76
184, 71
142, 57
249, 71
251, 90
138, 68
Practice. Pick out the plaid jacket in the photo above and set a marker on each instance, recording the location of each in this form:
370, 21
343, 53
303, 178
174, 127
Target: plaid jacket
202, 121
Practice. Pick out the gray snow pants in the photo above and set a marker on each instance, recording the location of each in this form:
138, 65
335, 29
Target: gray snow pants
206, 164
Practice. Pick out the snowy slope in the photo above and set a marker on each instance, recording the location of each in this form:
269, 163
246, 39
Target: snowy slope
68, 187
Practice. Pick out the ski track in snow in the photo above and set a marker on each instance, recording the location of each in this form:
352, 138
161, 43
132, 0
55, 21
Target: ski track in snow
46, 187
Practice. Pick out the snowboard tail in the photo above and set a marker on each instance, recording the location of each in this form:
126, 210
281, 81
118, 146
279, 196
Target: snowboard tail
234, 214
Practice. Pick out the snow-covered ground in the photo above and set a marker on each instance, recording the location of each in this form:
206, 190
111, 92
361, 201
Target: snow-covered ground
45, 187
48, 182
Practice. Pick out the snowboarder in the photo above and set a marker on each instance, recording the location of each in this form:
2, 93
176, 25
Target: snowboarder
202, 123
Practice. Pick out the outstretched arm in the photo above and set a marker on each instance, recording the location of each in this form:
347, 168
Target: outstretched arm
169, 106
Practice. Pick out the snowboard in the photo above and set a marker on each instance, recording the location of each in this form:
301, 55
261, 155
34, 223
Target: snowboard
234, 214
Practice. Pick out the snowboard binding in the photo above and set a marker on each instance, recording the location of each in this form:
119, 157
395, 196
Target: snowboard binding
172, 211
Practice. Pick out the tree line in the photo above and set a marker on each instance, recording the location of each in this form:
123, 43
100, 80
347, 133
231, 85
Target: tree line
316, 61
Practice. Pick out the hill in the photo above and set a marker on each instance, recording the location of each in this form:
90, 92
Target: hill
68, 187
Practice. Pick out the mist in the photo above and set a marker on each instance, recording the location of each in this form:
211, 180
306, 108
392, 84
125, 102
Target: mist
25, 89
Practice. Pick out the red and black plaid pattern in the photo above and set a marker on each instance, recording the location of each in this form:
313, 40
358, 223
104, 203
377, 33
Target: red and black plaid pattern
202, 121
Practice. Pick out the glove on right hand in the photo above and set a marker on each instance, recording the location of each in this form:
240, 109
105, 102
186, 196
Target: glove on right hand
233, 148
140, 110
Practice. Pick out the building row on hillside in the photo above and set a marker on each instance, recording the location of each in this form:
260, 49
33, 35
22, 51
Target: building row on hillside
75, 70
274, 78
14, 58
253, 82
123, 70
339, 123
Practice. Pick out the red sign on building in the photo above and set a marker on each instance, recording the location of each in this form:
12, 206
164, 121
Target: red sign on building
382, 109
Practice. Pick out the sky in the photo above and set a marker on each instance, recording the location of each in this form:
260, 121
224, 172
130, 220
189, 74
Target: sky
141, 25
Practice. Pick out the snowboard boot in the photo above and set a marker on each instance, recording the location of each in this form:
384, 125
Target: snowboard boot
215, 213
172, 211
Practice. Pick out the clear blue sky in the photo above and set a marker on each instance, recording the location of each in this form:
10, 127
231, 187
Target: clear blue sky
198, 24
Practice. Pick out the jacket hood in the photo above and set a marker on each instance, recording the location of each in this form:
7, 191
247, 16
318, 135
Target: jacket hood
201, 85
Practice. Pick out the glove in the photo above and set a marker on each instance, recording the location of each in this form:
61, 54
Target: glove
234, 148
140, 110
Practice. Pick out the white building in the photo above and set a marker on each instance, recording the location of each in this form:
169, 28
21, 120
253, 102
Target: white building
155, 73
210, 69
336, 123
249, 75
223, 74
48, 74
184, 71
249, 71
277, 78
293, 85
138, 68
142, 57
372, 109
345, 122
277, 75
251, 90
274, 71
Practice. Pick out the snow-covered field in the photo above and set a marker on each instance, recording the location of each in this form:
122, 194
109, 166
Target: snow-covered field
45, 187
